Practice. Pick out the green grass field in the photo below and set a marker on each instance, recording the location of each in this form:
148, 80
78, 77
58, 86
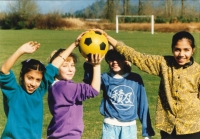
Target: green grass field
159, 43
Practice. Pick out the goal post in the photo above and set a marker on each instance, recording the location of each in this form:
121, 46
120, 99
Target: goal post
151, 16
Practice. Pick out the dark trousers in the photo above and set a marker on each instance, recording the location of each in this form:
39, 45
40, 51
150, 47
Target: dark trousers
165, 135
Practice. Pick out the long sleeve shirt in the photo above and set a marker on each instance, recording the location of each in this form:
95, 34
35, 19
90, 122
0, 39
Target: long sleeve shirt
24, 111
124, 98
65, 104
178, 104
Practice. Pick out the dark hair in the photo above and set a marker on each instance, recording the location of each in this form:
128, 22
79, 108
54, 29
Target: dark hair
183, 35
112, 54
58, 52
31, 64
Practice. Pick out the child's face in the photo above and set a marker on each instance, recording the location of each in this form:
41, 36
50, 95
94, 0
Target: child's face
117, 66
183, 51
67, 70
32, 80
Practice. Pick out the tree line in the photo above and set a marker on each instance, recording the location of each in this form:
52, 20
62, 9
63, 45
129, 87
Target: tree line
24, 14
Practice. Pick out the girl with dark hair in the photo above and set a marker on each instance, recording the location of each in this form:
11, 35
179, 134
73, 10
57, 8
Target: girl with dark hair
178, 105
124, 99
28, 65
23, 104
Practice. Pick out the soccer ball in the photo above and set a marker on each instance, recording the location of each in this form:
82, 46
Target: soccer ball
93, 42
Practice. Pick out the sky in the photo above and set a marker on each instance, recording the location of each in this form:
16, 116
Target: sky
62, 6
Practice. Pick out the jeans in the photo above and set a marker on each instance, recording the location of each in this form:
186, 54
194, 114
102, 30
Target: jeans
119, 132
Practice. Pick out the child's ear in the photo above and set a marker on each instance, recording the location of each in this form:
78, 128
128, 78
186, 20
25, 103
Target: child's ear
193, 50
20, 78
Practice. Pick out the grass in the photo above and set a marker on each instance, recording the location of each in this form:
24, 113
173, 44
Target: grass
159, 43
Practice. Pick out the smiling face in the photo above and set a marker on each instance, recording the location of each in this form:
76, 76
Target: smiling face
117, 62
183, 51
117, 66
32, 80
67, 70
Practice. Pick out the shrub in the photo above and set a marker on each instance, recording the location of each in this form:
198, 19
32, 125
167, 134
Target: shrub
21, 25
6, 23
50, 21
140, 20
31, 23
160, 20
127, 20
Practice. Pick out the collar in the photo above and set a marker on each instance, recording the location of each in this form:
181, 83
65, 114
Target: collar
186, 65
189, 63
119, 76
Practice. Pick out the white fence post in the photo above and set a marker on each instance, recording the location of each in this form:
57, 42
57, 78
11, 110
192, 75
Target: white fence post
152, 24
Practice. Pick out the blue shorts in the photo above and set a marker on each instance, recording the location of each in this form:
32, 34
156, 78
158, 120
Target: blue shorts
119, 132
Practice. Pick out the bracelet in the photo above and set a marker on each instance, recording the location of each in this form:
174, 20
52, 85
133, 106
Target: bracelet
62, 57
76, 41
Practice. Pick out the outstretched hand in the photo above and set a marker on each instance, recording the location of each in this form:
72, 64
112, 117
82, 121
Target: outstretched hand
29, 47
110, 39
101, 31
79, 38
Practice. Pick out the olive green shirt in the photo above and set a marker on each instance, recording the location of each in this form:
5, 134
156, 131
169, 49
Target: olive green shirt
178, 104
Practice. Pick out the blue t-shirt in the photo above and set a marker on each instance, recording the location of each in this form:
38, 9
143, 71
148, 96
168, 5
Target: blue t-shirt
24, 111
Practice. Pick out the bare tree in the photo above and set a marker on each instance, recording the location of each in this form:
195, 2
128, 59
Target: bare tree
182, 8
139, 7
148, 7
109, 12
168, 7
126, 7
23, 8
21, 14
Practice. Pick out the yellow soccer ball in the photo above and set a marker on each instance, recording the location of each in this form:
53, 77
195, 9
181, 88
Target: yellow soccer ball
93, 42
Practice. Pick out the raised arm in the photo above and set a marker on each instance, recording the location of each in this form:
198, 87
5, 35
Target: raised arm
26, 48
145, 62
96, 78
111, 40
57, 62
